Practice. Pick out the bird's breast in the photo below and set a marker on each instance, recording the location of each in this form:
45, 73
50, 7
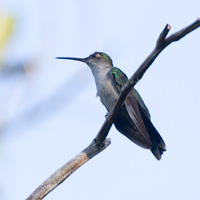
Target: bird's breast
107, 92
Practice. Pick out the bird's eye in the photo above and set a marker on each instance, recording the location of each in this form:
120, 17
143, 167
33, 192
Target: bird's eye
97, 55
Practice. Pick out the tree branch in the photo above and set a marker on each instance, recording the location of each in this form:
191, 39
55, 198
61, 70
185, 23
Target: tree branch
100, 142
66, 170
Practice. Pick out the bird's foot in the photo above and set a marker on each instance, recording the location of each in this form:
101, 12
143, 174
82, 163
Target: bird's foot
107, 114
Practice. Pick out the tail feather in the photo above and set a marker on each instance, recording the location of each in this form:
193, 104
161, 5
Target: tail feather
158, 144
157, 151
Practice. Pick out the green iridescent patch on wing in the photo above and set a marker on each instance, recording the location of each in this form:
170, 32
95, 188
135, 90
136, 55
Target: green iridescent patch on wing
121, 79
119, 76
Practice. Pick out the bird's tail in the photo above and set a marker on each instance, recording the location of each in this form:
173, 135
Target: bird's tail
158, 144
158, 150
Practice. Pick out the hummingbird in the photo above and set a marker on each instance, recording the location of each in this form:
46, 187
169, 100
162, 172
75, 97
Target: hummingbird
133, 119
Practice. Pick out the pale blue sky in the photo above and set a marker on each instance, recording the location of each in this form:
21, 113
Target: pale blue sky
52, 114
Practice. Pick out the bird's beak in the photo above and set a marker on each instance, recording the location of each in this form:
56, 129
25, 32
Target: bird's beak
71, 58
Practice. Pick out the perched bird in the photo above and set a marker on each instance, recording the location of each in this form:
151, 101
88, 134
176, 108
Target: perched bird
133, 119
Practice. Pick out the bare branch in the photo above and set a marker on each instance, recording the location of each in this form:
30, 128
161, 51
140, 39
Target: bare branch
162, 42
163, 35
180, 34
66, 170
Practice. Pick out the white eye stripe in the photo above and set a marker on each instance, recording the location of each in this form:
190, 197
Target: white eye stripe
97, 55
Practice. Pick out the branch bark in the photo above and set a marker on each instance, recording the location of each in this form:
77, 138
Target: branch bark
100, 142
66, 170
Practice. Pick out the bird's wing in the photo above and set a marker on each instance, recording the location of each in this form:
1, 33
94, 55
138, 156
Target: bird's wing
134, 104
121, 79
